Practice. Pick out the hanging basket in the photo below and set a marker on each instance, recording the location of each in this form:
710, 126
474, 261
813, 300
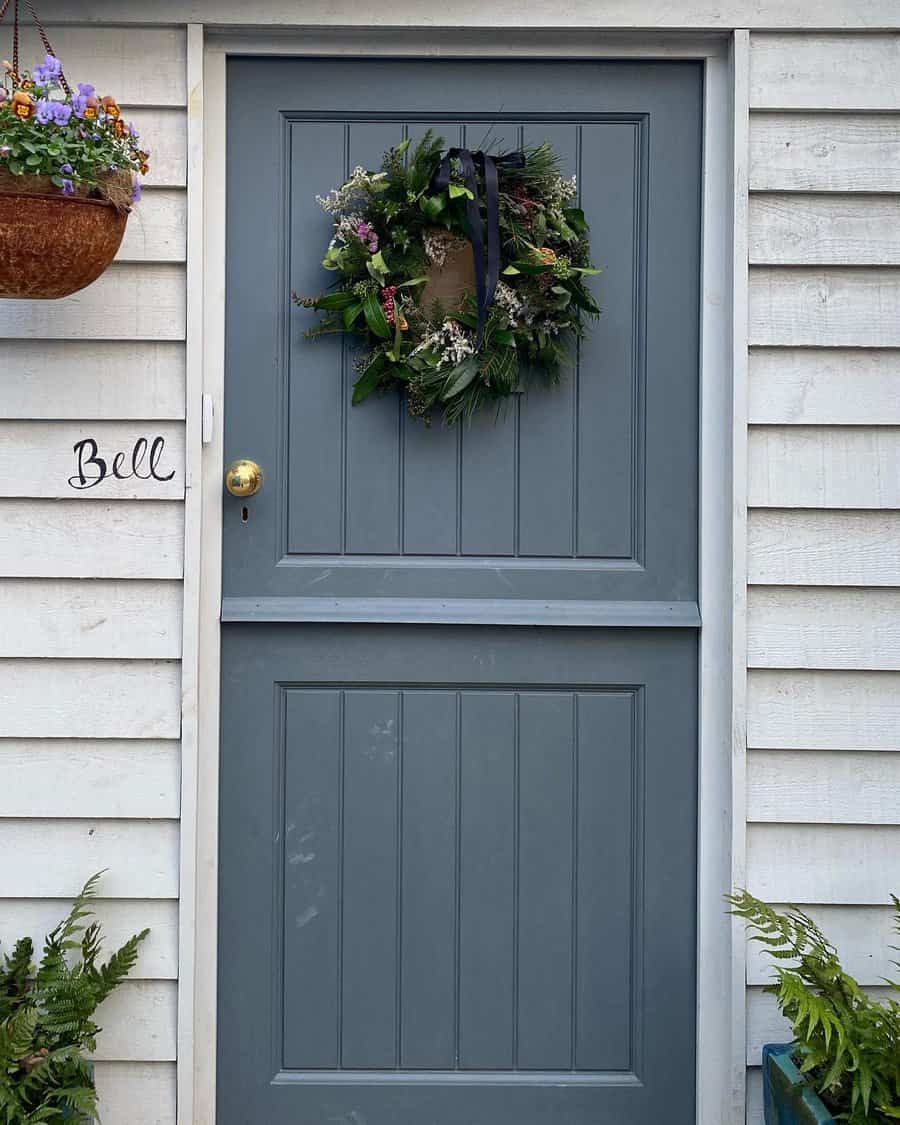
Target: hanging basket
68, 168
52, 246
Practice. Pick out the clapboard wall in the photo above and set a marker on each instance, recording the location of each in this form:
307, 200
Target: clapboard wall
823, 731
90, 590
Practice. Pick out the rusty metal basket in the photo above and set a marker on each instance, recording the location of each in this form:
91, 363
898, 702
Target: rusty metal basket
51, 246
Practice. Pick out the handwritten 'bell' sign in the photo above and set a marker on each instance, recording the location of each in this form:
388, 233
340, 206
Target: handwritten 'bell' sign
144, 462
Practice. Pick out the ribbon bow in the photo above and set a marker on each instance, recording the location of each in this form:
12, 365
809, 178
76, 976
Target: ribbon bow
486, 277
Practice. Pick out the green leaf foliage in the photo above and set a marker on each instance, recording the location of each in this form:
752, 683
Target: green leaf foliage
846, 1042
47, 1024
375, 317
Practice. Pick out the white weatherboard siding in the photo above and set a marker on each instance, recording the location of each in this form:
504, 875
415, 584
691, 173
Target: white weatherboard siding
90, 586
823, 627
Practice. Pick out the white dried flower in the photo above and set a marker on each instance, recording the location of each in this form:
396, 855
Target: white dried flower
506, 298
451, 343
353, 193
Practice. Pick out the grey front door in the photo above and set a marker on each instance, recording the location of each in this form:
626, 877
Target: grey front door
459, 688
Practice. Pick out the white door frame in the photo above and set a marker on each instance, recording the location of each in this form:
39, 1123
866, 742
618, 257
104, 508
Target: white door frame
720, 974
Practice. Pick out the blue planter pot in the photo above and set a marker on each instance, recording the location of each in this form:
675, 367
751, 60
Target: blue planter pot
787, 1096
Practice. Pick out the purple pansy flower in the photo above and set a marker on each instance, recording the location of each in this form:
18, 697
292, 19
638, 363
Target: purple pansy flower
4, 150
68, 187
86, 90
133, 132
61, 113
79, 104
136, 192
66, 169
47, 72
44, 111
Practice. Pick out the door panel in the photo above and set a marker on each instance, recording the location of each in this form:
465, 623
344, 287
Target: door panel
457, 861
583, 492
455, 865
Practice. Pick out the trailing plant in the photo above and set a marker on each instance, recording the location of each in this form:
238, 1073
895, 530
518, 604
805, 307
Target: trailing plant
47, 1017
846, 1042
426, 214
74, 142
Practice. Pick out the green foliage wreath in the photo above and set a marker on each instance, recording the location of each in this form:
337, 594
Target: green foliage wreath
396, 231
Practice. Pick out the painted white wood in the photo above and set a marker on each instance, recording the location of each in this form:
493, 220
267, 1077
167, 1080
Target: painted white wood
89, 699
754, 1096
577, 14
720, 993
202, 804
862, 935
52, 858
825, 548
823, 787
188, 1053
838, 307
158, 959
828, 230
136, 1093
83, 539
722, 1093
90, 618
824, 152
825, 386
800, 627
138, 1022
824, 467
37, 459
89, 778
823, 710
94, 379
128, 302
156, 229
138, 67
827, 863
163, 132
825, 72
765, 1024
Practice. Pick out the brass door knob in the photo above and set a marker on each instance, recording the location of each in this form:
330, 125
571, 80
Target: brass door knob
243, 478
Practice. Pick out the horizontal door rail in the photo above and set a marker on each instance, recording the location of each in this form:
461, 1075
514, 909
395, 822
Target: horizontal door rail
464, 611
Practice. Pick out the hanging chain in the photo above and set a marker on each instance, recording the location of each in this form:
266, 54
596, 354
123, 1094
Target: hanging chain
41, 32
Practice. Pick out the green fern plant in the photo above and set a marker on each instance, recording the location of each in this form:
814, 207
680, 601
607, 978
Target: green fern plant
47, 1018
847, 1043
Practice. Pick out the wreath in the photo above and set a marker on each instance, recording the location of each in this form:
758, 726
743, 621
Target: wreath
461, 273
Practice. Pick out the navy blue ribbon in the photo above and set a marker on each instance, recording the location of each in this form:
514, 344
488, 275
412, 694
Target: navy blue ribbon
486, 274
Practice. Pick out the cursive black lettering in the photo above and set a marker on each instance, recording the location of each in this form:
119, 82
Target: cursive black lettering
86, 451
137, 459
145, 459
156, 451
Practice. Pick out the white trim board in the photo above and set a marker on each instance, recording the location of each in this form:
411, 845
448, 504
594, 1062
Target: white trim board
720, 986
650, 16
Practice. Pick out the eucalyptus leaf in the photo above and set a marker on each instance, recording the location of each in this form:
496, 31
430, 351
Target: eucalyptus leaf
342, 300
432, 206
460, 377
457, 191
375, 317
366, 383
574, 216
351, 313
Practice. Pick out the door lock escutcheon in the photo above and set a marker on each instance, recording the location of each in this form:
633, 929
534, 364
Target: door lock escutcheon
243, 478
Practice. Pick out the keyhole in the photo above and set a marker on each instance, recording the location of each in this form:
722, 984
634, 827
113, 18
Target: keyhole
245, 514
